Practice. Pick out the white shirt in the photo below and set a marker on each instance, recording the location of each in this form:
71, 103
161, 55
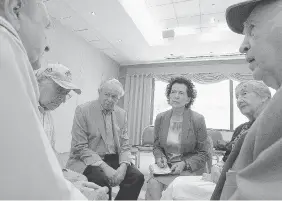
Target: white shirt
29, 169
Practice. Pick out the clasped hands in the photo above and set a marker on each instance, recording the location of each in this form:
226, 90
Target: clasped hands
87, 189
176, 168
115, 177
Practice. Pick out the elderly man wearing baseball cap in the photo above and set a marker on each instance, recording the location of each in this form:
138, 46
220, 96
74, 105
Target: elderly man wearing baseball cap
55, 84
253, 170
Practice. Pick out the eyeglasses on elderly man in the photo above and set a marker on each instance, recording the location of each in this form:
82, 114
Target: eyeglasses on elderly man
55, 85
110, 162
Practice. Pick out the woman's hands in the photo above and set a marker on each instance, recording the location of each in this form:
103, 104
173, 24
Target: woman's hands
162, 162
177, 168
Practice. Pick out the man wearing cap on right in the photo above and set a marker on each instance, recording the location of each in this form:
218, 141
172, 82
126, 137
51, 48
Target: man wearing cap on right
255, 171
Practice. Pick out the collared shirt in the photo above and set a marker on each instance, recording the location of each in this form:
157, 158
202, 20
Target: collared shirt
29, 164
48, 125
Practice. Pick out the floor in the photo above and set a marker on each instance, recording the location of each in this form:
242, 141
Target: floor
145, 160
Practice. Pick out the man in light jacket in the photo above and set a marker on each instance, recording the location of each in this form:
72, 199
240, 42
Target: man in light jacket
100, 144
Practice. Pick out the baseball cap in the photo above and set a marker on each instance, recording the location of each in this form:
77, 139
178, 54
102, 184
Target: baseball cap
238, 13
60, 74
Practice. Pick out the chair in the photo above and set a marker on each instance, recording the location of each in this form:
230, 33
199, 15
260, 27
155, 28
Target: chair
147, 142
210, 153
215, 135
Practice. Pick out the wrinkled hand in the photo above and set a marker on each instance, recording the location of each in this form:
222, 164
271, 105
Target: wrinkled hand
111, 175
120, 174
221, 145
221, 142
177, 168
162, 162
102, 193
92, 191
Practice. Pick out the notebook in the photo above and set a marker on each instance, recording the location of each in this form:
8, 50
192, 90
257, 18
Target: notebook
157, 171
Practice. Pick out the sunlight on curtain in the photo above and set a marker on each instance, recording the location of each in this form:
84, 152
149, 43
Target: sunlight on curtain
160, 101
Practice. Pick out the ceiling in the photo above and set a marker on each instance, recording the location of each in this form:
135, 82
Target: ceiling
130, 31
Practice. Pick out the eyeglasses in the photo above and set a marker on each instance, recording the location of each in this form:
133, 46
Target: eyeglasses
63, 94
112, 96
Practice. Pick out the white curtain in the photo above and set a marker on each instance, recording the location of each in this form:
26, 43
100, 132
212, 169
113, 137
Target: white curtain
137, 103
207, 78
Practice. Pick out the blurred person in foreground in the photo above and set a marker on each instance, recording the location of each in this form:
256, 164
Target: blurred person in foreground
254, 166
29, 168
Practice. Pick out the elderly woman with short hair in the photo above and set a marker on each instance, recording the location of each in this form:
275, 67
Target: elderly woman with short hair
252, 97
180, 136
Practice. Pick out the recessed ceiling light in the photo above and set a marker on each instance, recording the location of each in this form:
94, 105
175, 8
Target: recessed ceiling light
93, 13
183, 31
119, 41
212, 20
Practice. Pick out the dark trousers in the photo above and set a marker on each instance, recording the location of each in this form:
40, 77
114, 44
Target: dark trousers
130, 187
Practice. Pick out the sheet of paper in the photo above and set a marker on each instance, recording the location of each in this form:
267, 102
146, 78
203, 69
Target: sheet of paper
157, 170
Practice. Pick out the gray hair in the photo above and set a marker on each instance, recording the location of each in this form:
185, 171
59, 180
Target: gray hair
115, 83
255, 86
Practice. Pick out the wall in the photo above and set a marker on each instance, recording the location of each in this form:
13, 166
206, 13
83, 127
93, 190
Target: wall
88, 65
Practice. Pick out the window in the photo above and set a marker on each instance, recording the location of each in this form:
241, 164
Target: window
213, 102
160, 101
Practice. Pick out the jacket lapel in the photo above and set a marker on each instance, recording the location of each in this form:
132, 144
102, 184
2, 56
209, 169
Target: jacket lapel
166, 124
100, 120
186, 129
186, 125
